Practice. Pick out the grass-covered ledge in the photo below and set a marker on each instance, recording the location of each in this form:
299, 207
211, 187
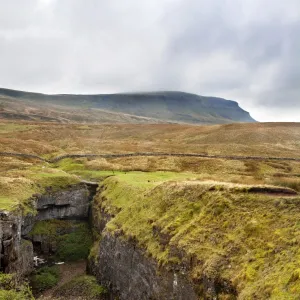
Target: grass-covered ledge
246, 235
18, 186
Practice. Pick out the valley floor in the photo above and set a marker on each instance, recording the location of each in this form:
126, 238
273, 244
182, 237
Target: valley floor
68, 271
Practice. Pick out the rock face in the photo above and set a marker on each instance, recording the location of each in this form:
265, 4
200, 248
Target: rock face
129, 274
118, 263
16, 253
71, 203
122, 265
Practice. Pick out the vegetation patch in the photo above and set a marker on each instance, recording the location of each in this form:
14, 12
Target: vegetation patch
51, 228
293, 183
75, 245
73, 239
18, 185
11, 290
81, 286
45, 278
223, 228
12, 127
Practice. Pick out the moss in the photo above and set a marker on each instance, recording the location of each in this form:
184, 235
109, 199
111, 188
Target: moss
75, 245
6, 203
82, 286
69, 165
6, 281
50, 228
174, 221
71, 246
82, 168
45, 278
14, 294
56, 179
11, 290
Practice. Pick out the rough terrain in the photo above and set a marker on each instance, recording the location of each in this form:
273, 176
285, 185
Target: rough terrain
180, 210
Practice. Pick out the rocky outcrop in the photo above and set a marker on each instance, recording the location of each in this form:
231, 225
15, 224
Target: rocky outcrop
128, 274
70, 203
123, 266
118, 263
16, 253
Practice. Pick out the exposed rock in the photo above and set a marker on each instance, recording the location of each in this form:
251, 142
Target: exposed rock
121, 265
72, 203
16, 254
129, 274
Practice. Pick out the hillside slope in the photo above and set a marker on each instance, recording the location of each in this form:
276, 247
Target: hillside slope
153, 107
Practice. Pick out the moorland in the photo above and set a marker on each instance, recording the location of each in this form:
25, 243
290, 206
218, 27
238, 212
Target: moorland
237, 220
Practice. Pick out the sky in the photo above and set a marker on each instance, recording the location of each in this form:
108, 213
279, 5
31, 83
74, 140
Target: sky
242, 50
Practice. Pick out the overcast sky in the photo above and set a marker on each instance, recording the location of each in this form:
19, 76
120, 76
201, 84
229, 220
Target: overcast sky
243, 50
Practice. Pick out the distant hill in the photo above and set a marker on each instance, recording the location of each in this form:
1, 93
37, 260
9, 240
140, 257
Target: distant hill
148, 107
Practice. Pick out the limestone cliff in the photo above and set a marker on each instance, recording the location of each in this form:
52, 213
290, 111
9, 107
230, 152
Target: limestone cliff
17, 252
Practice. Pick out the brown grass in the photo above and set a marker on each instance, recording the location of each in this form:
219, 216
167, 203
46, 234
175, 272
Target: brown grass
262, 139
50, 140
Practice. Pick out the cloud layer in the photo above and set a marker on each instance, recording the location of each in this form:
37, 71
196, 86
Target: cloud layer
246, 50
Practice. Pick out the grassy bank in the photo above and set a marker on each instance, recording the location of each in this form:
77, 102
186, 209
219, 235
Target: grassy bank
20, 180
249, 239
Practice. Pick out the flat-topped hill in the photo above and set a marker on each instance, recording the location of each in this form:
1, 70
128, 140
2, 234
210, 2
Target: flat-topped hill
147, 107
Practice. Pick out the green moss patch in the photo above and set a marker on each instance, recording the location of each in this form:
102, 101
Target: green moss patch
75, 245
82, 286
73, 239
51, 228
45, 278
83, 168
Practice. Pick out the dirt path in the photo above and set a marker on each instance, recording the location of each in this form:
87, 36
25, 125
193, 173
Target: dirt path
68, 271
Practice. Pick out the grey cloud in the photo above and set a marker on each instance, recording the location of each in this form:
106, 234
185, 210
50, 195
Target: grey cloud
242, 50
